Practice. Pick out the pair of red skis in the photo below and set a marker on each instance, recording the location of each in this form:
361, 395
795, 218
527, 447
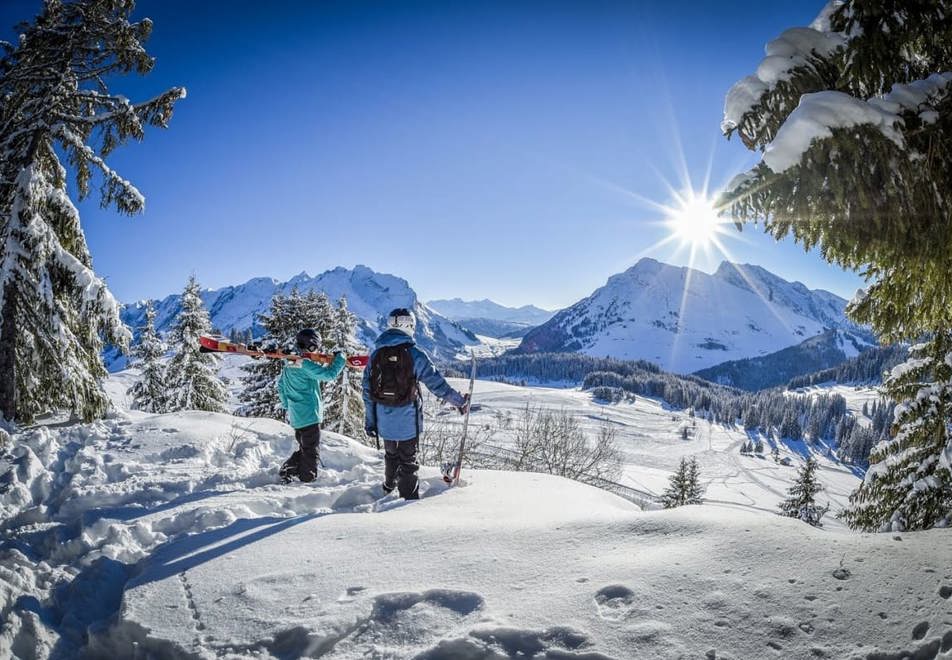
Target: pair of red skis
215, 344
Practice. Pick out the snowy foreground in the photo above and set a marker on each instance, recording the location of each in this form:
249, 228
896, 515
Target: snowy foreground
166, 536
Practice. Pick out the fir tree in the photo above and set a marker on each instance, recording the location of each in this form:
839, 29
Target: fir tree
801, 496
321, 315
869, 82
55, 311
149, 393
695, 491
259, 397
192, 375
345, 402
684, 487
909, 484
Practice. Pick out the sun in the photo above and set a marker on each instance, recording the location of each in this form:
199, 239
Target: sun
694, 219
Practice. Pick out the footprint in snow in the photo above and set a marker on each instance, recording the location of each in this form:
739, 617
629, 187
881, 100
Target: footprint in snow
413, 619
614, 602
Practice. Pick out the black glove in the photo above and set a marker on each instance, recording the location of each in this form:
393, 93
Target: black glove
464, 407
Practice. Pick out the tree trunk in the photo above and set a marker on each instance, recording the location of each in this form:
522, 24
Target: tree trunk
8, 377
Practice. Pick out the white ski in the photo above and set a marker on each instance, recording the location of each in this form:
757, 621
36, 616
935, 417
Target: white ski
453, 478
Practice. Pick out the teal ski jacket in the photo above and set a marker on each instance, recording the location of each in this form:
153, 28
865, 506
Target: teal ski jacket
299, 388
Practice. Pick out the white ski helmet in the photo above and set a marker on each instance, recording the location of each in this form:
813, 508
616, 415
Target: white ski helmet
402, 319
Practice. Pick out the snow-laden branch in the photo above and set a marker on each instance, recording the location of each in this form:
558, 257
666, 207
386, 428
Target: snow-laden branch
793, 49
131, 200
818, 114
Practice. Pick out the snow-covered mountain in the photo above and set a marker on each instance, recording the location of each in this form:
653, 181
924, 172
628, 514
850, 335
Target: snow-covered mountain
485, 317
823, 351
685, 320
457, 309
370, 295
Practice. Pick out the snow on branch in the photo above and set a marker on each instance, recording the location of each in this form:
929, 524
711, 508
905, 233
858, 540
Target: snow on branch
127, 196
819, 113
793, 49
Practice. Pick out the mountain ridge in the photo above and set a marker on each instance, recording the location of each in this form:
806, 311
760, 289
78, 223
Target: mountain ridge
370, 295
686, 320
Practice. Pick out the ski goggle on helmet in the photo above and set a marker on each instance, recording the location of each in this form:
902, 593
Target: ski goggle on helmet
308, 340
402, 319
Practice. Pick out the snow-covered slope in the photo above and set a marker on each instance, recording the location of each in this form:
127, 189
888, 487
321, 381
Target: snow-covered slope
370, 295
686, 320
163, 536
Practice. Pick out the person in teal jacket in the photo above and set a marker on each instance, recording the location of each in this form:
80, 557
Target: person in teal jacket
299, 388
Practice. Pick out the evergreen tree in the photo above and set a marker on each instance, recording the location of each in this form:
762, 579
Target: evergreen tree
344, 397
149, 393
909, 484
259, 397
801, 496
695, 491
192, 375
322, 316
856, 131
684, 486
55, 312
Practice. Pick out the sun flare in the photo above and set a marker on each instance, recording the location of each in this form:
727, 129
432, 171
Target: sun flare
694, 219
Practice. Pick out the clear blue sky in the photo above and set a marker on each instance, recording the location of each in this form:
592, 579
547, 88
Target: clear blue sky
476, 149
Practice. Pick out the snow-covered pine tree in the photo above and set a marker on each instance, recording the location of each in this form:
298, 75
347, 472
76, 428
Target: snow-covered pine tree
150, 392
259, 397
854, 116
684, 486
673, 496
801, 496
909, 483
192, 375
321, 315
695, 491
344, 397
55, 312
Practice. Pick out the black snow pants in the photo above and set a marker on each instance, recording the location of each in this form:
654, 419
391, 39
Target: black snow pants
400, 467
303, 462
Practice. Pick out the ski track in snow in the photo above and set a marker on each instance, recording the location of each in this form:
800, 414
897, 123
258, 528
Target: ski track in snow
165, 536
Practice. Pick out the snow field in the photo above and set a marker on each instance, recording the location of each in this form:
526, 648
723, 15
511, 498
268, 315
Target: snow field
649, 436
165, 536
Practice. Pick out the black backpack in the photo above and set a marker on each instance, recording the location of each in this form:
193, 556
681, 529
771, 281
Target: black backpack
392, 379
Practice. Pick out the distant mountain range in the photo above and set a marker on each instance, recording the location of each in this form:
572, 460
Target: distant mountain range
370, 295
458, 308
686, 320
727, 326
485, 317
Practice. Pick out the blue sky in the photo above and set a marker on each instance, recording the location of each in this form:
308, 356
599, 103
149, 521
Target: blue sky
484, 149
